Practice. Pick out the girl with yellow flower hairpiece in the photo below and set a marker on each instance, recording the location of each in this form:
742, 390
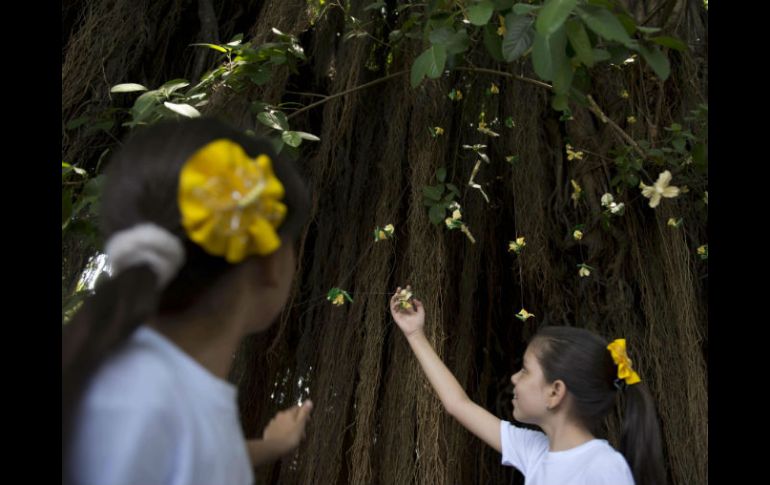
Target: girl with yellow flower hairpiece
200, 221
567, 385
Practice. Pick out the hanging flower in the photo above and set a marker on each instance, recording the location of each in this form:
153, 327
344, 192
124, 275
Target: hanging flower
631, 120
607, 199
675, 223
660, 189
230, 203
624, 94
494, 89
703, 251
577, 191
338, 297
577, 234
572, 155
501, 30
436, 131
584, 270
524, 315
517, 246
455, 95
384, 233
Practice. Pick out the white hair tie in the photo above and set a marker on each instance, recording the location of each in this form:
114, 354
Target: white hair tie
148, 244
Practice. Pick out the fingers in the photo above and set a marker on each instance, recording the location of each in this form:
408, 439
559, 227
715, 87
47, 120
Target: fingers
305, 409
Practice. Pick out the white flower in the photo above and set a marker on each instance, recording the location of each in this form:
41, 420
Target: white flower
659, 189
607, 199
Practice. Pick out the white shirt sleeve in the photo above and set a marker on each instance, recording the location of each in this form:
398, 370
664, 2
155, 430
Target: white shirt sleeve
119, 445
521, 448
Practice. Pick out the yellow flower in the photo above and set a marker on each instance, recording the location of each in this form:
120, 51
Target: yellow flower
624, 94
501, 30
231, 204
517, 246
631, 120
494, 89
381, 235
338, 296
439, 130
571, 154
457, 214
618, 350
583, 271
706, 197
404, 299
524, 315
389, 229
458, 95
659, 189
674, 222
703, 250
577, 235
577, 191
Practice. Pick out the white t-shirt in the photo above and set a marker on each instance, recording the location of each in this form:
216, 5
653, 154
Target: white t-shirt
153, 415
595, 462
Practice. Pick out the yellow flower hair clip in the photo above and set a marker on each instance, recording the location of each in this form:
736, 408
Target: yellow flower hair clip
230, 203
625, 372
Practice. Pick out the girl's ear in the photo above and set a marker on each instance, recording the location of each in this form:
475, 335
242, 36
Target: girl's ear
557, 393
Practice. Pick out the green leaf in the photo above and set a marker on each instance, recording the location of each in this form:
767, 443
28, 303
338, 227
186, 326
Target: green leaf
453, 188
553, 15
604, 23
480, 13
144, 105
375, 5
548, 53
307, 136
519, 35
501, 5
259, 76
441, 174
291, 138
578, 38
395, 35
493, 42
647, 30
699, 154
274, 119
215, 47
433, 192
76, 122
601, 55
627, 22
436, 214
183, 109
523, 8
127, 88
453, 42
670, 42
172, 86
657, 61
559, 102
562, 76
430, 63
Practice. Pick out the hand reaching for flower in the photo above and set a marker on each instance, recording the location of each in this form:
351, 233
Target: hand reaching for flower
410, 320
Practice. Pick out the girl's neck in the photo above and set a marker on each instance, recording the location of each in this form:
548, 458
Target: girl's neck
566, 435
211, 345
